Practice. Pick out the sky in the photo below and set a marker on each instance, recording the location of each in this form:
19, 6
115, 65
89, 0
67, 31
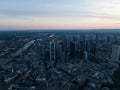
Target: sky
59, 14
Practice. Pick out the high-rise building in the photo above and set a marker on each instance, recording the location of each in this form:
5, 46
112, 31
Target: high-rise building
86, 55
60, 52
42, 51
72, 50
115, 56
85, 48
52, 50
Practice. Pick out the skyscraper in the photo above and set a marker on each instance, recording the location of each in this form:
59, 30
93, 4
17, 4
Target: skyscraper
42, 51
115, 56
72, 50
52, 50
85, 48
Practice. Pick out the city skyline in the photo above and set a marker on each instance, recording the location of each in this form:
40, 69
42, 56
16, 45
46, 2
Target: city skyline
59, 14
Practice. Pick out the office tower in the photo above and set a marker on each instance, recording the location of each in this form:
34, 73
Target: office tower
52, 50
96, 38
86, 55
42, 51
85, 48
60, 52
107, 39
84, 43
115, 56
72, 50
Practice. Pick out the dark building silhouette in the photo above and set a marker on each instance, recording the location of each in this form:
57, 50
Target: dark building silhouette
52, 50
72, 50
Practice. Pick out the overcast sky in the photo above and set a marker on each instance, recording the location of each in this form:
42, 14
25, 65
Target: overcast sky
59, 14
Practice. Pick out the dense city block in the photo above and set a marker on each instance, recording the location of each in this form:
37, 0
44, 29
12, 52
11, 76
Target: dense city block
59, 60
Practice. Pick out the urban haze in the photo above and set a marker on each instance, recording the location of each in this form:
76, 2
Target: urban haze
60, 60
59, 44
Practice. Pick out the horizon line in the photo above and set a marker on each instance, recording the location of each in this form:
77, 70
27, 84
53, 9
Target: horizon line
59, 29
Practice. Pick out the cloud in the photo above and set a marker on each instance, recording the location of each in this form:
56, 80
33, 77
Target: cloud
72, 14
59, 12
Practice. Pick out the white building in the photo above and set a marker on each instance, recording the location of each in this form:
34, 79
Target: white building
115, 56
